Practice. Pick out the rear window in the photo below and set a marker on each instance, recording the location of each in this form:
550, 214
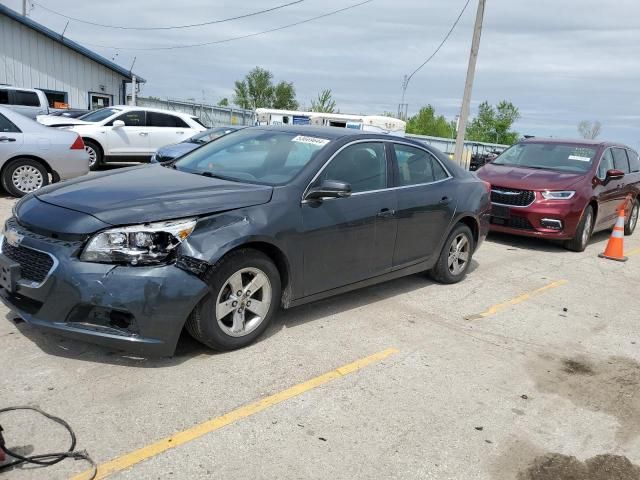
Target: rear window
25, 99
99, 115
4, 97
549, 156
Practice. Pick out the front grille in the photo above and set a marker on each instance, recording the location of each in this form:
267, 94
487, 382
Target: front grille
509, 196
520, 223
34, 265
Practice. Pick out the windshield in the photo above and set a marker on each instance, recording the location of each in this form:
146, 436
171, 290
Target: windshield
548, 156
254, 155
98, 115
208, 135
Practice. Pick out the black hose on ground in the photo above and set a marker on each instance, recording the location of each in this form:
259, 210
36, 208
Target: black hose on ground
45, 459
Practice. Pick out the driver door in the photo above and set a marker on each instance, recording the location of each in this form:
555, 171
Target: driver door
131, 140
610, 195
346, 240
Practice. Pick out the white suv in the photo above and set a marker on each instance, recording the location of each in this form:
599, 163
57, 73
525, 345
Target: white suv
126, 134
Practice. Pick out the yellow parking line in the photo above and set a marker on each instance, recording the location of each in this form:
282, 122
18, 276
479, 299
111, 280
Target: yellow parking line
633, 252
514, 301
144, 453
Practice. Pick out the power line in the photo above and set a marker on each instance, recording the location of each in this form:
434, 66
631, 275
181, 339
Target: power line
407, 79
227, 40
444, 40
174, 27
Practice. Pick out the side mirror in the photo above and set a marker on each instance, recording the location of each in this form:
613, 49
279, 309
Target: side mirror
118, 124
614, 174
329, 189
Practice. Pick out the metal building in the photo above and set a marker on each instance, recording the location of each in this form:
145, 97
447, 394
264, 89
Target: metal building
33, 56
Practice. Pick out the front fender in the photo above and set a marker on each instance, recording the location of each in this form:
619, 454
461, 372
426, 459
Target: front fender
218, 235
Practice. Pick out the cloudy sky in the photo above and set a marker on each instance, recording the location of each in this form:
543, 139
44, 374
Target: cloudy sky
560, 62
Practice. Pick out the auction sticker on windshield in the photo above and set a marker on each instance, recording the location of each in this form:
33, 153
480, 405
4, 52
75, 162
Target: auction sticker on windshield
311, 140
579, 158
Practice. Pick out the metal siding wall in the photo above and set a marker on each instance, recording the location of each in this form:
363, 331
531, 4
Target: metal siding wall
31, 60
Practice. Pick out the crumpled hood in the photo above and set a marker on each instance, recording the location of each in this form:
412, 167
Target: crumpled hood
527, 178
151, 193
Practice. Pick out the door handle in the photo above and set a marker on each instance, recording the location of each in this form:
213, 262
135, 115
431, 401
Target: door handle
7, 139
386, 213
445, 201
143, 134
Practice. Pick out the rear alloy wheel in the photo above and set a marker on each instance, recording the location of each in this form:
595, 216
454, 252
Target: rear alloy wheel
95, 154
245, 294
630, 226
583, 232
24, 175
455, 258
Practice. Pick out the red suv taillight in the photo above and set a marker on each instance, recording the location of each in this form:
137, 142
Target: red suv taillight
78, 144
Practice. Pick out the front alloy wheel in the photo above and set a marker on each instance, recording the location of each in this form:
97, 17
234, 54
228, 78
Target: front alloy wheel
630, 226
243, 302
244, 295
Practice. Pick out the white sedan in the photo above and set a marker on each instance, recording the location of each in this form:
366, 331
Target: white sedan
32, 155
130, 134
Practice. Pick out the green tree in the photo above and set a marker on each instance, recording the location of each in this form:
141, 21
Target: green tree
284, 96
493, 124
257, 90
324, 103
224, 102
426, 122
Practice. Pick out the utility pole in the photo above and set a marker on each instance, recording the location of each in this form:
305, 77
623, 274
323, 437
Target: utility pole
403, 107
24, 8
134, 85
468, 87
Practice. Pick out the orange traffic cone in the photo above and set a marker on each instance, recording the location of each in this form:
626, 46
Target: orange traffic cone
615, 247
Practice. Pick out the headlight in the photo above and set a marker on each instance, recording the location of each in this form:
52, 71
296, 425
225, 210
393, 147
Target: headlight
147, 244
559, 195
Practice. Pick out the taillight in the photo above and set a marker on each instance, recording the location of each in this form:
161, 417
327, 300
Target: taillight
78, 144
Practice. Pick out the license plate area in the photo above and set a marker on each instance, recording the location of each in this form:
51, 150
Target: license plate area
9, 274
501, 212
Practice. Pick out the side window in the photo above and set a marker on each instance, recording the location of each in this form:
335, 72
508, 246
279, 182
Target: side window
26, 99
155, 119
6, 126
4, 97
606, 164
131, 119
634, 161
620, 161
363, 165
417, 166
180, 123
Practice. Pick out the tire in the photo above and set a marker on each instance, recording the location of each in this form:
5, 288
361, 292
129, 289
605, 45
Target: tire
631, 224
24, 175
95, 154
446, 272
583, 232
208, 323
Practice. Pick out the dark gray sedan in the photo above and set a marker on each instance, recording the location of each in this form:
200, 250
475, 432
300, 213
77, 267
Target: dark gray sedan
171, 152
219, 240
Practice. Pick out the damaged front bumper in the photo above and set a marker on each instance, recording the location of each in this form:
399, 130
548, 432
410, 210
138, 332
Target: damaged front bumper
138, 309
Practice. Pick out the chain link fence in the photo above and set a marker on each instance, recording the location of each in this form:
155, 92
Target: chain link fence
210, 115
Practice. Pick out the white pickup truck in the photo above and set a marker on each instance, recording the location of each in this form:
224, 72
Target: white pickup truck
30, 102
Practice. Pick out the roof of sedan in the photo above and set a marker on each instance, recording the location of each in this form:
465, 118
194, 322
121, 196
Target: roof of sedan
573, 141
331, 133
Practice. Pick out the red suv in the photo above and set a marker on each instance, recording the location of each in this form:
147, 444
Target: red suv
562, 189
